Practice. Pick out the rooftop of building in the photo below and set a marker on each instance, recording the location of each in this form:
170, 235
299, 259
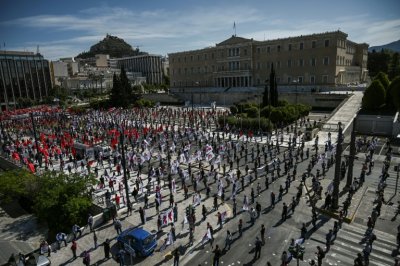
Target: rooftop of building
236, 40
16, 54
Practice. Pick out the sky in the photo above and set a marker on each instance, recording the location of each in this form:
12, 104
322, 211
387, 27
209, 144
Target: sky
66, 28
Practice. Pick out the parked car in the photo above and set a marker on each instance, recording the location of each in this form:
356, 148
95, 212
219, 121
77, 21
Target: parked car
137, 240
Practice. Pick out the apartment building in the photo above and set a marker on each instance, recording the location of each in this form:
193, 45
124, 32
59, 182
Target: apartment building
318, 60
150, 66
23, 75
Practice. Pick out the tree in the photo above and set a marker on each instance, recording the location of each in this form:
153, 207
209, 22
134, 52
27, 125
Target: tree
273, 89
58, 199
383, 78
394, 92
116, 93
378, 61
266, 96
374, 96
394, 67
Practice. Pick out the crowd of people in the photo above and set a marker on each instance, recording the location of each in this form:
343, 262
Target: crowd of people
174, 149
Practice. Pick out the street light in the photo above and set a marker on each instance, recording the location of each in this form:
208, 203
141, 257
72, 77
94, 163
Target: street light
121, 141
336, 181
226, 90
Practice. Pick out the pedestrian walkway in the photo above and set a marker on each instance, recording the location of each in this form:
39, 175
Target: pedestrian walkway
345, 114
351, 240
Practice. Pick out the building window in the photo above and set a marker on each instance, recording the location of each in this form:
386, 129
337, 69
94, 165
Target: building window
205, 56
258, 65
300, 79
313, 62
312, 79
326, 43
205, 69
289, 63
301, 46
191, 58
279, 48
173, 60
289, 80
278, 64
179, 59
290, 47
268, 49
258, 82
313, 44
278, 80
212, 68
301, 62
198, 70
258, 50
326, 60
325, 79
245, 51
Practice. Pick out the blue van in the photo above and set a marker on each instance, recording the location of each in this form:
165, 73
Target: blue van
137, 240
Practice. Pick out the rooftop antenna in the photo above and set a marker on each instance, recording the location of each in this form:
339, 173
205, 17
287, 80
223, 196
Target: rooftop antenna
234, 27
37, 49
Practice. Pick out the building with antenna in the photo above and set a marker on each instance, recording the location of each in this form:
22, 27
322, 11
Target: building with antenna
23, 75
323, 60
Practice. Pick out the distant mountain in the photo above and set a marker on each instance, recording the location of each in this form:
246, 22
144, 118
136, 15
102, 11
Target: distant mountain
113, 46
394, 46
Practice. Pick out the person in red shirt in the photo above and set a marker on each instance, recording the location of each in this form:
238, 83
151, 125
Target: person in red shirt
117, 200
74, 248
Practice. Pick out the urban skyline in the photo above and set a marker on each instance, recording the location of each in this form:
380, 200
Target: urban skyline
166, 27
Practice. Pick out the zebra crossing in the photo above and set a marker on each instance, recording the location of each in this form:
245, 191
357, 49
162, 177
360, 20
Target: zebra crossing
351, 240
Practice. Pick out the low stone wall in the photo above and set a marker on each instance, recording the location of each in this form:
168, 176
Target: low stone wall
316, 100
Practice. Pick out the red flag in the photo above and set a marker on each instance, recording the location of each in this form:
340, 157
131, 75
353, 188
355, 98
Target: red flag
31, 167
15, 156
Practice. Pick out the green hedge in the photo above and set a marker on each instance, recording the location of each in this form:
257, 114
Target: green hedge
247, 123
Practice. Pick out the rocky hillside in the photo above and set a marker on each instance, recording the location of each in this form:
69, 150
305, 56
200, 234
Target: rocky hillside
113, 46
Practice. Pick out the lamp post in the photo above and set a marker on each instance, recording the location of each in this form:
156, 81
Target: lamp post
349, 180
226, 90
34, 132
121, 143
336, 181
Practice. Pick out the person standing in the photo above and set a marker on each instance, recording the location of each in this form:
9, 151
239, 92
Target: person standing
118, 226
90, 222
142, 215
240, 227
204, 212
74, 247
258, 245
272, 199
217, 255
284, 212
175, 210
86, 258
262, 232
95, 239
228, 240
176, 257
61, 237
106, 246
320, 255
284, 259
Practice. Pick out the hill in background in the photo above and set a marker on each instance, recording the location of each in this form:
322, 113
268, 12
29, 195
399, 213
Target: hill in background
113, 46
394, 46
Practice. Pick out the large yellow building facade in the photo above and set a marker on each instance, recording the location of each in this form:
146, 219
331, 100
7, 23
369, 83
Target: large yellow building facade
317, 60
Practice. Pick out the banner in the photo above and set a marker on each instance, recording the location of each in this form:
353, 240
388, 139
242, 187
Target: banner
167, 217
